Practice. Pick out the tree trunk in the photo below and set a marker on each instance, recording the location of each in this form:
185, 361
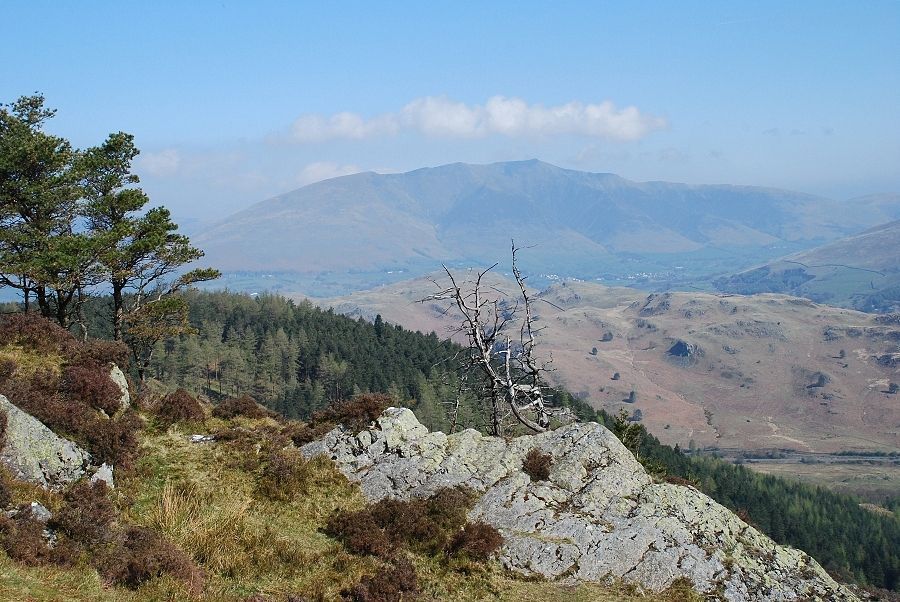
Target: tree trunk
118, 310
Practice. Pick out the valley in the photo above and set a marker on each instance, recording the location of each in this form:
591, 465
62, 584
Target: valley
765, 372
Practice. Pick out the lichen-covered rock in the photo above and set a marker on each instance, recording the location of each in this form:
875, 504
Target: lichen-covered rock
38, 512
599, 516
118, 377
104, 473
35, 453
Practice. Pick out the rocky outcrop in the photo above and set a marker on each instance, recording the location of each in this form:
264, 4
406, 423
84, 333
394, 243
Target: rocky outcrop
34, 453
599, 516
117, 376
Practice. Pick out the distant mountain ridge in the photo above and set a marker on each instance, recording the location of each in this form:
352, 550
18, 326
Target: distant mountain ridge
581, 224
860, 271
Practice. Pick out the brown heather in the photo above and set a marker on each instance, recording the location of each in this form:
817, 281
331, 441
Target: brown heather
537, 465
244, 406
89, 383
179, 406
391, 583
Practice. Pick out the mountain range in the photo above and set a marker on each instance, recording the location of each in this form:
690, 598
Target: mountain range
580, 224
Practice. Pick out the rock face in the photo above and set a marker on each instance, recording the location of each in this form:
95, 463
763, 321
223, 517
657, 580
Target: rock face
599, 516
118, 377
35, 453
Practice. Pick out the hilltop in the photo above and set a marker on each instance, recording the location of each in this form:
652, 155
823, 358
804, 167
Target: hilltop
860, 271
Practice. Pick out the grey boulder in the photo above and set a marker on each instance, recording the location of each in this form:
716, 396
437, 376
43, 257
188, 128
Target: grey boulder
118, 377
36, 454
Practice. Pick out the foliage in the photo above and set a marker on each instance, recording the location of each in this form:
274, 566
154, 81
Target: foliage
389, 525
144, 554
391, 583
477, 541
179, 406
72, 221
537, 465
284, 474
87, 516
90, 383
3, 422
115, 441
68, 400
5, 494
22, 537
244, 406
35, 333
356, 413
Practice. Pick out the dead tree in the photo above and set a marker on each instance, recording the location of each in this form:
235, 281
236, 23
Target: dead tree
505, 372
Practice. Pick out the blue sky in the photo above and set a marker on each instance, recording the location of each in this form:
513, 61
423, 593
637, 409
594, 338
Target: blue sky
234, 102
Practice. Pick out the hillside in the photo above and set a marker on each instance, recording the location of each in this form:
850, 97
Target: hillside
590, 225
298, 359
235, 514
860, 271
761, 372
216, 502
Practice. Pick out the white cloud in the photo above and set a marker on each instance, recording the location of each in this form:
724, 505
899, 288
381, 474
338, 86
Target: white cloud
440, 117
163, 163
315, 128
324, 170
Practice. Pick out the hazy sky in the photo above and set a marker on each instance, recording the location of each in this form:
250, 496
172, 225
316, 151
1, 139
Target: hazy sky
235, 102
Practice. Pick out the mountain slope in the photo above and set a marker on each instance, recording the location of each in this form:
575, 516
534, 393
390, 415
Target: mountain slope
860, 271
582, 223
768, 371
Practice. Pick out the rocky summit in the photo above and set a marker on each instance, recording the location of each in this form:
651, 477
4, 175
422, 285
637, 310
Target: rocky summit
599, 516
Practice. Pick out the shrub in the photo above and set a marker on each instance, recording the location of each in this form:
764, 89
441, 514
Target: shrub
36, 333
448, 507
408, 523
87, 515
7, 369
676, 480
356, 413
178, 407
90, 383
309, 433
98, 351
244, 406
143, 555
390, 584
359, 533
284, 474
537, 465
39, 395
115, 441
477, 541
5, 495
389, 524
22, 538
